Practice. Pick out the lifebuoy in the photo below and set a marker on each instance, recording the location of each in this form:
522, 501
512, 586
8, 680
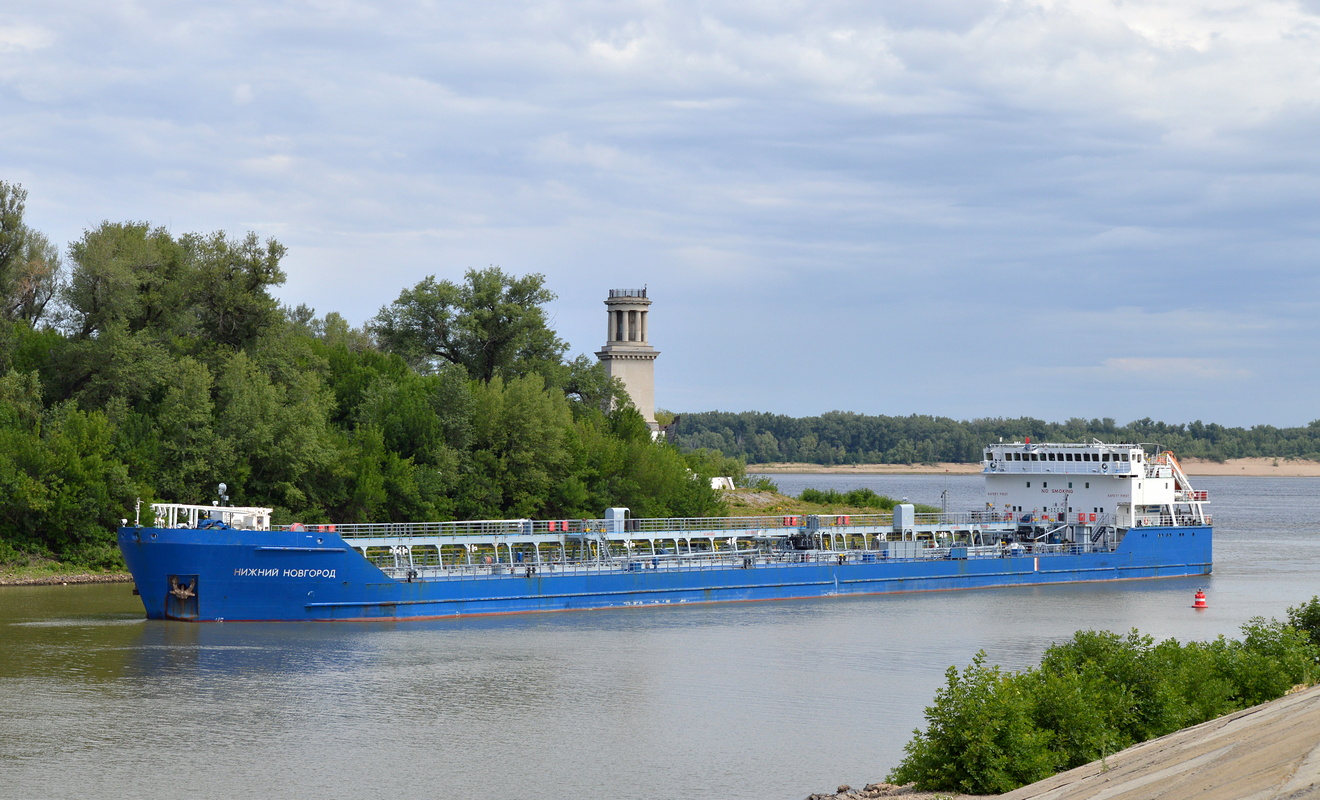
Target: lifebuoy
1104, 467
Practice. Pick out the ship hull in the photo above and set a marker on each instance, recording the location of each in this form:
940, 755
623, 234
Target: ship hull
214, 575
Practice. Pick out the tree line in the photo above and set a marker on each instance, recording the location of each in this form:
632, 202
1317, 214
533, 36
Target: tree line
140, 364
840, 437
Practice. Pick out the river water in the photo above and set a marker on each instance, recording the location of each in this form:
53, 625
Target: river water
758, 700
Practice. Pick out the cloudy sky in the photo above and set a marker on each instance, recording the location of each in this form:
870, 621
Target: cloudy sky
969, 209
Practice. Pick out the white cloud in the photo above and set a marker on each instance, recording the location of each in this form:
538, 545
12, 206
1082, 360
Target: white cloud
24, 38
1170, 369
1126, 186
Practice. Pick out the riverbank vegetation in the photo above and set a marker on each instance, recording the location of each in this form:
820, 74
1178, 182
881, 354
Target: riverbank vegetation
990, 731
846, 438
140, 364
761, 497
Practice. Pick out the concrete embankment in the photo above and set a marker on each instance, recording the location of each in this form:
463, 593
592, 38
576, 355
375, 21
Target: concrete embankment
1268, 752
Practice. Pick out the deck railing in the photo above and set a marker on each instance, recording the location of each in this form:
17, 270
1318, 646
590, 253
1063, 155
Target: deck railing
648, 527
724, 560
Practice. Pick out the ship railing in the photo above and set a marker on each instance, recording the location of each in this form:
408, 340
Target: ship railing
405, 530
186, 515
705, 524
648, 527
1178, 520
752, 558
584, 527
813, 521
1069, 548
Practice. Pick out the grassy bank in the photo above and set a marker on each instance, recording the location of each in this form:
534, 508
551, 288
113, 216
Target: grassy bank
765, 502
35, 571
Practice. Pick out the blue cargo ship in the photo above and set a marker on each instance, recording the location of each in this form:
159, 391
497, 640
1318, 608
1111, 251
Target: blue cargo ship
1055, 513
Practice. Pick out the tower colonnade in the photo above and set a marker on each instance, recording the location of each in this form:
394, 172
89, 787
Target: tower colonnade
627, 354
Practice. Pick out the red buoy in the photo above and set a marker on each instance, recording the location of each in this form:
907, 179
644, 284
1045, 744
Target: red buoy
1199, 602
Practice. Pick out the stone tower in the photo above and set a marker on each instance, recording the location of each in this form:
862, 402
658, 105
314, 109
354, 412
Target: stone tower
628, 355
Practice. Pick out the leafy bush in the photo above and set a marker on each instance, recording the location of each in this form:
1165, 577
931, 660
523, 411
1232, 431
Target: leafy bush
855, 498
990, 731
1271, 658
760, 483
981, 738
1306, 618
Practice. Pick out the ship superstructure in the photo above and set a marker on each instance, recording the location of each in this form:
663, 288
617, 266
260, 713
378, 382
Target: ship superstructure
1073, 486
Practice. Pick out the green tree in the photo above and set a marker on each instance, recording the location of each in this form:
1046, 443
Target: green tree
130, 273
1271, 658
63, 488
421, 417
192, 456
117, 362
980, 738
33, 279
519, 453
277, 435
13, 198
30, 267
232, 286
1141, 702
1306, 618
585, 381
492, 324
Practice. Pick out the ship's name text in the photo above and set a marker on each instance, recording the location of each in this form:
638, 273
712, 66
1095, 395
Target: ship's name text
276, 572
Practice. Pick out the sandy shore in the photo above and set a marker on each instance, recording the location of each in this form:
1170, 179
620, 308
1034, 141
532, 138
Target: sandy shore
1251, 467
